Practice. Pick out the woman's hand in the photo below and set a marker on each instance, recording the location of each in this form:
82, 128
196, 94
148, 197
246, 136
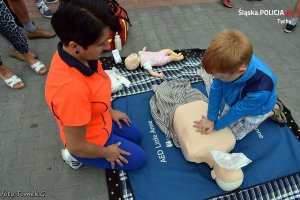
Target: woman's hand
118, 115
204, 126
116, 155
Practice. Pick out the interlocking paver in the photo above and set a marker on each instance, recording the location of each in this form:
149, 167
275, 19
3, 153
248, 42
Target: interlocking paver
20, 173
45, 183
95, 180
45, 162
68, 192
26, 152
8, 143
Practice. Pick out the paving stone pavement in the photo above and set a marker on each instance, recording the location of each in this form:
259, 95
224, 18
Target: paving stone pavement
30, 144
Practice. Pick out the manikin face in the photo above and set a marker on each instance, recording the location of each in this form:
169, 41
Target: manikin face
132, 61
134, 57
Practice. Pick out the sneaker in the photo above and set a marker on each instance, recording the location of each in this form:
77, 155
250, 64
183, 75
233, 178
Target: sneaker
67, 157
50, 1
44, 10
227, 3
289, 28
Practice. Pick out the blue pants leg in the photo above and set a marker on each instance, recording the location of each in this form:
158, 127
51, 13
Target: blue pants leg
129, 138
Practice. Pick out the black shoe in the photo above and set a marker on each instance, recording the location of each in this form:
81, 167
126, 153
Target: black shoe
289, 28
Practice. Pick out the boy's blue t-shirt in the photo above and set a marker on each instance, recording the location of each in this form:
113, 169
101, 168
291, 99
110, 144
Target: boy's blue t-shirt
252, 94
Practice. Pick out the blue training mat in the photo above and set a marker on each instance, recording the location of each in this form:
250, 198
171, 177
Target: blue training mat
274, 152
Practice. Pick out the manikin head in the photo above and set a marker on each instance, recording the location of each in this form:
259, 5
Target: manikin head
227, 180
132, 61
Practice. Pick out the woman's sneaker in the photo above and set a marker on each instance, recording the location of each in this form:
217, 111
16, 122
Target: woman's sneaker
289, 27
67, 157
44, 10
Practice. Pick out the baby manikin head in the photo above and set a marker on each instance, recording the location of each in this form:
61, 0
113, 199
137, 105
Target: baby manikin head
227, 180
132, 61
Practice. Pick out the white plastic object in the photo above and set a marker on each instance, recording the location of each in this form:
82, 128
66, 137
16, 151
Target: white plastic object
116, 56
117, 80
230, 161
118, 43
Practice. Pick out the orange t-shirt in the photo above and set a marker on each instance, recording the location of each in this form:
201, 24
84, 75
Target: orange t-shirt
78, 95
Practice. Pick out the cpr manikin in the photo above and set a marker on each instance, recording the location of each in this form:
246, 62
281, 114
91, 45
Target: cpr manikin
147, 60
198, 147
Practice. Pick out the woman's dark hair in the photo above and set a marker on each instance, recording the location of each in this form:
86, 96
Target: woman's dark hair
83, 21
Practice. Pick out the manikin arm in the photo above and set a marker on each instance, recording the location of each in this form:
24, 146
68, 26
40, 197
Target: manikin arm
156, 74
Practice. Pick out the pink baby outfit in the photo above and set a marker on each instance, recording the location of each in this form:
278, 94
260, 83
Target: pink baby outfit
149, 59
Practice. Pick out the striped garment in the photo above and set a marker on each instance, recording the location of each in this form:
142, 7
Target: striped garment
168, 96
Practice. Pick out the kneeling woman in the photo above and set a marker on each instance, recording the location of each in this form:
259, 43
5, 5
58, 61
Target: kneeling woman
78, 92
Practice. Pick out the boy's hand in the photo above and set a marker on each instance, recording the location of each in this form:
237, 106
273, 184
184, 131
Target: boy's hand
204, 126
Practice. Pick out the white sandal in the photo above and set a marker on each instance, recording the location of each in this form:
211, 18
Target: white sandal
37, 66
12, 81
